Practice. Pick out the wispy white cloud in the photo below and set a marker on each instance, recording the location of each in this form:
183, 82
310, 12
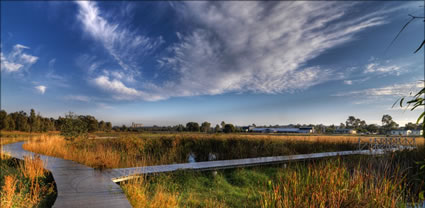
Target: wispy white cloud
258, 46
81, 98
41, 89
121, 91
17, 60
376, 67
372, 95
124, 45
355, 81
348, 82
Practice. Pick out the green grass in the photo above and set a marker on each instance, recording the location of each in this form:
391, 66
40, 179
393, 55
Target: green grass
359, 181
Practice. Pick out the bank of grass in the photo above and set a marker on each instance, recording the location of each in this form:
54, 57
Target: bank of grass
25, 183
355, 181
132, 150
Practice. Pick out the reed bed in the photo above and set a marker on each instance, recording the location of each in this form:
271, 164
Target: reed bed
133, 150
25, 183
358, 181
332, 185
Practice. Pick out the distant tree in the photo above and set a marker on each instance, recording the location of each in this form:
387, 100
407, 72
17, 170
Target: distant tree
59, 122
205, 126
34, 121
3, 123
192, 126
388, 124
73, 126
223, 124
108, 126
123, 128
21, 121
330, 129
91, 122
217, 128
46, 125
410, 126
102, 126
229, 128
9, 123
180, 128
372, 128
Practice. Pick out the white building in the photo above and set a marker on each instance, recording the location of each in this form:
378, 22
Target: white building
399, 132
417, 133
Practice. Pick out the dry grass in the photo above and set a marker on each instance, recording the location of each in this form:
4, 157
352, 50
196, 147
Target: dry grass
137, 191
332, 185
133, 150
54, 145
24, 184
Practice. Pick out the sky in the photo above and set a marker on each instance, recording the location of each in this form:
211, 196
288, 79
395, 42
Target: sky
166, 63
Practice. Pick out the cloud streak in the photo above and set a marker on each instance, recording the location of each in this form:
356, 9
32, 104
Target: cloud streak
257, 46
371, 95
124, 45
260, 47
17, 60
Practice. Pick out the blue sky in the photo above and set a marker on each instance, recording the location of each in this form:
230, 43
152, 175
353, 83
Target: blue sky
165, 63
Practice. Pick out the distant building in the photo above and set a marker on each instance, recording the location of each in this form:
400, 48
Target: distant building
136, 125
247, 128
417, 133
399, 132
345, 131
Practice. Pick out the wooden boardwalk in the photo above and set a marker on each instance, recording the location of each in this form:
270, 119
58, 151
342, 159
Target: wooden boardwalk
123, 174
78, 185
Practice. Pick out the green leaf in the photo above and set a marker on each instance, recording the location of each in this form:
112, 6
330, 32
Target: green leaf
423, 42
420, 117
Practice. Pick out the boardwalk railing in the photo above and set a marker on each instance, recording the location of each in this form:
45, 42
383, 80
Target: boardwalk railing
375, 146
388, 143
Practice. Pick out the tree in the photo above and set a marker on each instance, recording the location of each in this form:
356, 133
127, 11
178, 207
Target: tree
223, 124
21, 121
34, 121
217, 128
388, 124
410, 126
108, 126
372, 128
192, 126
3, 123
102, 126
229, 128
180, 128
386, 120
91, 122
73, 127
205, 127
351, 122
9, 123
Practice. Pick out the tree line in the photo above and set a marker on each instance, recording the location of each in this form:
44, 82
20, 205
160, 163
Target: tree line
32, 122
189, 127
361, 126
